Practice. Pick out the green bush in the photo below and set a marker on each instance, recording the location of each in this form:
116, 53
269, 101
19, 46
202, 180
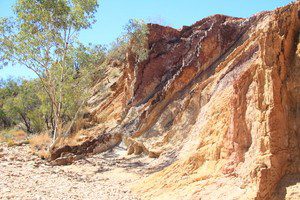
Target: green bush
135, 39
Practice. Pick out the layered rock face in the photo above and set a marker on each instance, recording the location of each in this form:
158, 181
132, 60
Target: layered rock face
218, 102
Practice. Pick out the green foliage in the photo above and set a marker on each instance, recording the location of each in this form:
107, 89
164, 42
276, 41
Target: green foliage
20, 103
137, 32
89, 56
44, 32
7, 89
118, 49
60, 14
134, 39
43, 37
88, 62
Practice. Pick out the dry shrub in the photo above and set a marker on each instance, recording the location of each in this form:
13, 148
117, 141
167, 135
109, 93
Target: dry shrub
10, 142
79, 124
13, 137
18, 134
39, 144
2, 138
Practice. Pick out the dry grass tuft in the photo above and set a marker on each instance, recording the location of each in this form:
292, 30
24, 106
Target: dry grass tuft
39, 144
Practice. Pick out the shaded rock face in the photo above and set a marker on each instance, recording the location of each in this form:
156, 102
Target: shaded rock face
220, 101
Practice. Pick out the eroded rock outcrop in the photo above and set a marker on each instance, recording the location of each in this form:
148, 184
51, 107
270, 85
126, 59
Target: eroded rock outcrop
219, 100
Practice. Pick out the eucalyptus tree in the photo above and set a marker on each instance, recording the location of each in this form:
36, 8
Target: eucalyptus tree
22, 104
43, 36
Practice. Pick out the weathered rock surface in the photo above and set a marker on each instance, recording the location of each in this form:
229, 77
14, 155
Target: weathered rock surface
219, 100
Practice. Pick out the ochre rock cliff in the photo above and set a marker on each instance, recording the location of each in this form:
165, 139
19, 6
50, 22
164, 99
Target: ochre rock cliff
217, 102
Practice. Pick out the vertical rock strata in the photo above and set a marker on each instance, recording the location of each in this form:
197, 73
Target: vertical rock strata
220, 101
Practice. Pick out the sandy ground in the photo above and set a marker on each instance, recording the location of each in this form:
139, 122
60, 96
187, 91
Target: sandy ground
104, 176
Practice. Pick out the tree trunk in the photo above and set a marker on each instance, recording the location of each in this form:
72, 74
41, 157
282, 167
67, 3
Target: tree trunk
74, 119
27, 123
57, 129
57, 125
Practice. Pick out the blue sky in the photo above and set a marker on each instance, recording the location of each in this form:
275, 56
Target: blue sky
112, 15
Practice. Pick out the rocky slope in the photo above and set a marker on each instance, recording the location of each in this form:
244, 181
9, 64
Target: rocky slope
217, 102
